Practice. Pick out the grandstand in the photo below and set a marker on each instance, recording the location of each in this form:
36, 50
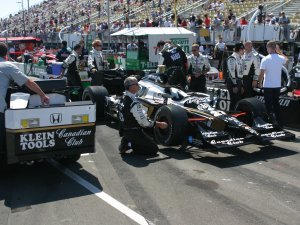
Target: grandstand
51, 15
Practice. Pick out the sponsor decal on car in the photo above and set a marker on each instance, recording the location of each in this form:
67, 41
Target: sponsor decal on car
55, 139
231, 141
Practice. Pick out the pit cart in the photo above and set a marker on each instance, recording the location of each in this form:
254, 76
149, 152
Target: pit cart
61, 130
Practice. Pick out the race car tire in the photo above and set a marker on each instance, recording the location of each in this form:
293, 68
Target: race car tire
177, 121
97, 95
69, 159
253, 107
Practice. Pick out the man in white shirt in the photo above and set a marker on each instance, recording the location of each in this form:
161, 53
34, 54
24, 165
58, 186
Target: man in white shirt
270, 72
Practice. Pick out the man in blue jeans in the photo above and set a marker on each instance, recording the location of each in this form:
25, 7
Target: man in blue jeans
270, 74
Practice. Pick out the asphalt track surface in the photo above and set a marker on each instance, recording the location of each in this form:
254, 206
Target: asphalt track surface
250, 185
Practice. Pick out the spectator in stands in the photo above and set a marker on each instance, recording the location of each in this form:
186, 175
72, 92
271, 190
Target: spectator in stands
235, 25
243, 21
272, 19
284, 22
199, 22
230, 14
207, 21
220, 15
221, 6
217, 26
214, 5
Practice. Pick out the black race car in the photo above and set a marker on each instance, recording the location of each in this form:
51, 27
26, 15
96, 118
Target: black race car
192, 117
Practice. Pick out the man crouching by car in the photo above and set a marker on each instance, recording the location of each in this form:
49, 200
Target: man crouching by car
134, 119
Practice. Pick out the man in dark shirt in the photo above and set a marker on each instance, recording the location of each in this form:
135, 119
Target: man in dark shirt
63, 53
175, 60
72, 63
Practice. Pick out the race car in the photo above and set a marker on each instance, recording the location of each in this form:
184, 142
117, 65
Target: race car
194, 120
62, 130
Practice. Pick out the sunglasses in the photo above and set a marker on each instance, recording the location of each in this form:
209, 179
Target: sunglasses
194, 50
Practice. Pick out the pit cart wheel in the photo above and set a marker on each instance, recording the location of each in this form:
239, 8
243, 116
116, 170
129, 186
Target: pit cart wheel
253, 107
69, 159
97, 95
177, 121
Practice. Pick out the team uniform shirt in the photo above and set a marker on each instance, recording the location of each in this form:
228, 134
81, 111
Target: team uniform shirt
174, 56
95, 60
8, 73
251, 64
198, 64
72, 62
134, 114
235, 67
272, 65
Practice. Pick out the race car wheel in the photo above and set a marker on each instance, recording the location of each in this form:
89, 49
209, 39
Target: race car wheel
97, 95
69, 159
177, 121
253, 107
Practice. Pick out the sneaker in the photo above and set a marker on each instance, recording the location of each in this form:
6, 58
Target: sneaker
124, 147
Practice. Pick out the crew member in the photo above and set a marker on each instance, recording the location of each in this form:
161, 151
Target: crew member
198, 67
175, 61
95, 63
63, 53
134, 119
219, 52
72, 63
8, 73
270, 72
251, 62
235, 74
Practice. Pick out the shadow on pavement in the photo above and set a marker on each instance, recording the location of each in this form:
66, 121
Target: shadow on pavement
41, 183
141, 160
230, 157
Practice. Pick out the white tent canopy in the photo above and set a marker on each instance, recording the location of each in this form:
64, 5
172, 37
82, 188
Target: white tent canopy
144, 31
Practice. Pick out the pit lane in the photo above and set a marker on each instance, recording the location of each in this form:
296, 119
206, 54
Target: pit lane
250, 185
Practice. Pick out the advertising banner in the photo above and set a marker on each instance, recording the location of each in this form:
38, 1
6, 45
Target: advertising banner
52, 139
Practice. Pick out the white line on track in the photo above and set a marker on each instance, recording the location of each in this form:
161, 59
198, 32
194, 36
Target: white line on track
102, 195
